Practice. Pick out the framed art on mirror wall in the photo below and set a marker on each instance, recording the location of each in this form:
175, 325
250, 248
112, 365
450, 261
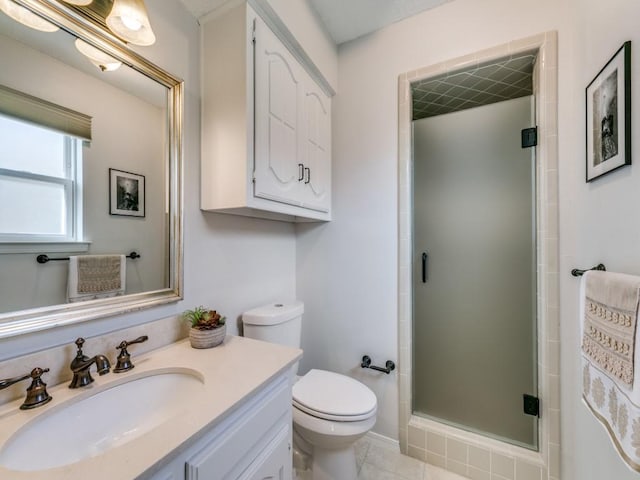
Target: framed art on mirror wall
126, 193
608, 99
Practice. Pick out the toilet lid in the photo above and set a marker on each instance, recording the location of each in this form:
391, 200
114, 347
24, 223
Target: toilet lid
333, 396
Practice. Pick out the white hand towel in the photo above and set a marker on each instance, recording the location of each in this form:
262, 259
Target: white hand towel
609, 349
96, 276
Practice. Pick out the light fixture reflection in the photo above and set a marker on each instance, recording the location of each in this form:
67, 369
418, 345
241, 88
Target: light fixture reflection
129, 20
25, 17
80, 3
100, 59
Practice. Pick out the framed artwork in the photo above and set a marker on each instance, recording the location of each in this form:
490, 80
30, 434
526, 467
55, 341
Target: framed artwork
608, 99
126, 193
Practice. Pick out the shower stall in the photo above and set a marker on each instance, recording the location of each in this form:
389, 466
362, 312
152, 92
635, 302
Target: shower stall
474, 271
478, 293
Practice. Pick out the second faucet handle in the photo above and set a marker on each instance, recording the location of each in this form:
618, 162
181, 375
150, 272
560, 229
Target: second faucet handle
79, 343
36, 394
124, 358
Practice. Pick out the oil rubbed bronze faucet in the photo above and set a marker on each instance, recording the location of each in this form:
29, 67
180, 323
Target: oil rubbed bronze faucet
124, 363
80, 367
36, 393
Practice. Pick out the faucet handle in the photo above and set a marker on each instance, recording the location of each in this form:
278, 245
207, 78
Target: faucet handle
80, 342
80, 356
37, 392
124, 358
126, 343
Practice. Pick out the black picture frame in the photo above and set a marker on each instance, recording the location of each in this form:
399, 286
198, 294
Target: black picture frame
608, 116
126, 193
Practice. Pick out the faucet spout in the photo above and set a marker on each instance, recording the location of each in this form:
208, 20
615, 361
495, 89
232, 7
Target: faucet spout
81, 364
102, 365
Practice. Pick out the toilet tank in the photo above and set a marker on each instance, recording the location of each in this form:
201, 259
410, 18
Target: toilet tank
276, 323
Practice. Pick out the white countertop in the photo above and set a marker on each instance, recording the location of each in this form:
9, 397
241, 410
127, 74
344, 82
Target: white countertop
230, 373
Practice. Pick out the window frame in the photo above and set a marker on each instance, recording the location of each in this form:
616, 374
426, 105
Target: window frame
72, 184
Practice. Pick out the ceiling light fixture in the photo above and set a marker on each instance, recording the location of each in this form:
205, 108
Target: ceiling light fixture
129, 20
26, 17
104, 62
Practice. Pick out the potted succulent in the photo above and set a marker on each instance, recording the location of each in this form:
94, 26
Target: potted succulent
208, 327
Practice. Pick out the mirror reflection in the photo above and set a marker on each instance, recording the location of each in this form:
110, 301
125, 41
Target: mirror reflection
69, 191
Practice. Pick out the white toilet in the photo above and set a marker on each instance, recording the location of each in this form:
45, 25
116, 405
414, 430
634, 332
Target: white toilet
330, 411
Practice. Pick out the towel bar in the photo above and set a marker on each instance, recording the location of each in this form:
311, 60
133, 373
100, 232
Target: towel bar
44, 258
577, 273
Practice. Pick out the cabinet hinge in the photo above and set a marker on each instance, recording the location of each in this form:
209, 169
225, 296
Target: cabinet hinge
531, 405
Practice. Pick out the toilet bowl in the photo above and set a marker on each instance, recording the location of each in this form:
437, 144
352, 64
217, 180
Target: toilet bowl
330, 411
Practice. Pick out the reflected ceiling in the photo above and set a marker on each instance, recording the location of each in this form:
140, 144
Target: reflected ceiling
487, 83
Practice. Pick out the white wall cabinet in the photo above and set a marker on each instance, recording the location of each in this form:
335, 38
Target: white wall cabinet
253, 443
266, 125
292, 128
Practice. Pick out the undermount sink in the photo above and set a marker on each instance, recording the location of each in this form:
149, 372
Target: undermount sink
111, 417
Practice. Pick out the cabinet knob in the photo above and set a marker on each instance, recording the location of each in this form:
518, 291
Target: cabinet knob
300, 172
308, 170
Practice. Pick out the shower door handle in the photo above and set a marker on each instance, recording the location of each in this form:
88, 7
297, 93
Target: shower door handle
425, 265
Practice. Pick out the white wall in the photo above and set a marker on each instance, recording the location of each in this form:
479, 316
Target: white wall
347, 269
312, 36
231, 263
599, 223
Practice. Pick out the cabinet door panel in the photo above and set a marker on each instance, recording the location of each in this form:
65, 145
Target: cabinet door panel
239, 443
317, 146
274, 463
277, 112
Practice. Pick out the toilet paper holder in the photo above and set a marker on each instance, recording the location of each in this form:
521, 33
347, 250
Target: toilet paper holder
388, 368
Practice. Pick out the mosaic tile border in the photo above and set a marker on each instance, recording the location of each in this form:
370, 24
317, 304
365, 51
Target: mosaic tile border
458, 451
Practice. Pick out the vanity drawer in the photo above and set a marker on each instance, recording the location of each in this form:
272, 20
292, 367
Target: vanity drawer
259, 433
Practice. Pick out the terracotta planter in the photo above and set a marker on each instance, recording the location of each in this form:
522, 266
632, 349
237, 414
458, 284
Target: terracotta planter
207, 338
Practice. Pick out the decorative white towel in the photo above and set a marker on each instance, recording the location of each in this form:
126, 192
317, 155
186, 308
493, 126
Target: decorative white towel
610, 381
96, 276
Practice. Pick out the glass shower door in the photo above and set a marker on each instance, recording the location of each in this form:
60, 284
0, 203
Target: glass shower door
474, 282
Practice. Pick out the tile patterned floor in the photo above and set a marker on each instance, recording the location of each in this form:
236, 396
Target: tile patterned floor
378, 460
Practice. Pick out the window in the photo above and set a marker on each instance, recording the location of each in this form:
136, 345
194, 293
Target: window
40, 183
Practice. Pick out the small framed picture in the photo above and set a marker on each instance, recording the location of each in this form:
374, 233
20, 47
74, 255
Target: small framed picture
126, 193
608, 99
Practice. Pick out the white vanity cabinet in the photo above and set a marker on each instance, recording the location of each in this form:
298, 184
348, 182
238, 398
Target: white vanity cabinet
266, 125
252, 443
230, 418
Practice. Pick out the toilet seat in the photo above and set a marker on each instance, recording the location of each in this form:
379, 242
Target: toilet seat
332, 396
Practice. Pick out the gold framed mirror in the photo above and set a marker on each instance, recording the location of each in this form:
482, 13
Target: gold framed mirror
156, 276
